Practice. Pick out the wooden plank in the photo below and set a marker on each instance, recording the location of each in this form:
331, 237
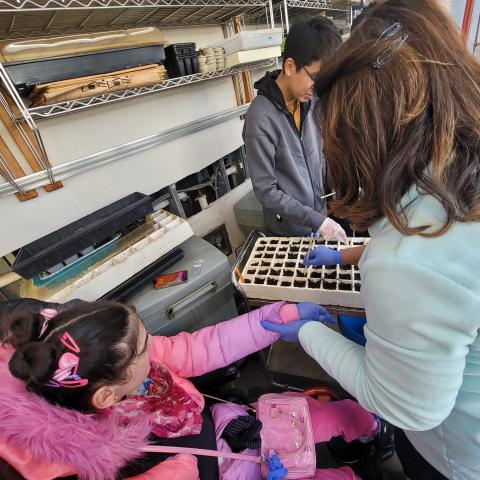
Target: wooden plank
16, 170
246, 76
21, 143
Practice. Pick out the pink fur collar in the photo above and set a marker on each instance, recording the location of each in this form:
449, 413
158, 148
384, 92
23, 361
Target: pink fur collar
96, 449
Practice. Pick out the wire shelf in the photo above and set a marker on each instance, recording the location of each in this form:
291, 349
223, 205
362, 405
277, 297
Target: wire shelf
343, 7
297, 7
34, 5
34, 18
71, 106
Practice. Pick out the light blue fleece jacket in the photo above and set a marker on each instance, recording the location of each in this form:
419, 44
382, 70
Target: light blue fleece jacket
420, 369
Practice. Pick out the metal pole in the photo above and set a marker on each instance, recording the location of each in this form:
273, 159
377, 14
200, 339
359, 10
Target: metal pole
272, 18
10, 176
281, 17
176, 203
476, 43
287, 23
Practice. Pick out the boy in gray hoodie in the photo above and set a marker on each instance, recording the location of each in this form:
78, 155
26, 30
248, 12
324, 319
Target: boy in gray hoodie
282, 141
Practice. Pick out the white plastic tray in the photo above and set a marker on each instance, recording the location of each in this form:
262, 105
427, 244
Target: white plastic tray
247, 56
251, 40
168, 232
275, 271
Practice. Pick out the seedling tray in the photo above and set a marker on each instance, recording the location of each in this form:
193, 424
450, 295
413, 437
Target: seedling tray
275, 271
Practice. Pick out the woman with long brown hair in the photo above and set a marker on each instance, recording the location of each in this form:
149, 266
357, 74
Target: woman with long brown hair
400, 120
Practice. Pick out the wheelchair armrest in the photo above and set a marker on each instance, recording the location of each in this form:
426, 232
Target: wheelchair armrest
217, 377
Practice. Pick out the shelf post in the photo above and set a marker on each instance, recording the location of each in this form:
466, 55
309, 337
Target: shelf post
287, 22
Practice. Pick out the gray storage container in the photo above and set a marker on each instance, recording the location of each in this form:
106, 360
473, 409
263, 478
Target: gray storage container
206, 299
249, 214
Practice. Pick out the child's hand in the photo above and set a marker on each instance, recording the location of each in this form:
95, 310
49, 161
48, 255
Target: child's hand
312, 311
276, 471
288, 331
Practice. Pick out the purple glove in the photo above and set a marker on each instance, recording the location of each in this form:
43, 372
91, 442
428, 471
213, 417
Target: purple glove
323, 256
312, 311
288, 331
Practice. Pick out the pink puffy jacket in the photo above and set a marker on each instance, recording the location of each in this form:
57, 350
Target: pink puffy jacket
43, 441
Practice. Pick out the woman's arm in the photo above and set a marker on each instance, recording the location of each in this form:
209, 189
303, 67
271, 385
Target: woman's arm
420, 325
351, 256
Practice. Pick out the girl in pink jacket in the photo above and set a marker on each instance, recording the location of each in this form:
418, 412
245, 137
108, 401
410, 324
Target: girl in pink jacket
85, 388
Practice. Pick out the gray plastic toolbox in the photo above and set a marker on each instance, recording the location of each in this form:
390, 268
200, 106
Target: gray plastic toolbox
204, 300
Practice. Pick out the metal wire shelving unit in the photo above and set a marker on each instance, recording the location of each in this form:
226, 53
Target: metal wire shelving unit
23, 19
285, 11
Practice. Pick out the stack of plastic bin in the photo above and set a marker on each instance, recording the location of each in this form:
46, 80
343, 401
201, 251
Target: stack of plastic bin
181, 59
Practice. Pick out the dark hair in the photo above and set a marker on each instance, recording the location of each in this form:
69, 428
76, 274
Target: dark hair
414, 121
311, 40
105, 332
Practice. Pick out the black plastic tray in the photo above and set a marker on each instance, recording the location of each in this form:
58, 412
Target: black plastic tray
123, 290
25, 75
73, 238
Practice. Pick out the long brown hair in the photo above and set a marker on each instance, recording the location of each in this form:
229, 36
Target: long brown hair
413, 121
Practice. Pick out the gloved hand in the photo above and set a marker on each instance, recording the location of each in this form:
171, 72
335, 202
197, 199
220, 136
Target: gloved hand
312, 311
288, 331
331, 230
323, 256
276, 471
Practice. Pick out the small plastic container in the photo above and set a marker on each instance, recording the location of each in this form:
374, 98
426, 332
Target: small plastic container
251, 40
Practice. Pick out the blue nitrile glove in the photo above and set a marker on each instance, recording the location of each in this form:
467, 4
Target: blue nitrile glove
288, 331
323, 256
276, 471
312, 311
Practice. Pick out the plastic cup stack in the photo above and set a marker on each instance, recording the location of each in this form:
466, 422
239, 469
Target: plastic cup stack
210, 53
202, 63
210, 59
219, 58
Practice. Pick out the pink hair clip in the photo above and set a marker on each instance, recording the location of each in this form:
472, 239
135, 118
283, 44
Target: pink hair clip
47, 314
66, 373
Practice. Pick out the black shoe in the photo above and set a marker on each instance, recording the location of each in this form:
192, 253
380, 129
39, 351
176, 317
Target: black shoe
356, 455
347, 453
383, 443
365, 458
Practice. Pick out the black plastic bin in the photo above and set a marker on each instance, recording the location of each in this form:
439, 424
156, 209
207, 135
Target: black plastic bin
181, 59
47, 251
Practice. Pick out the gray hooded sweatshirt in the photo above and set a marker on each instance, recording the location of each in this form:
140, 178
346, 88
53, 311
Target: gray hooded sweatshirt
287, 168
